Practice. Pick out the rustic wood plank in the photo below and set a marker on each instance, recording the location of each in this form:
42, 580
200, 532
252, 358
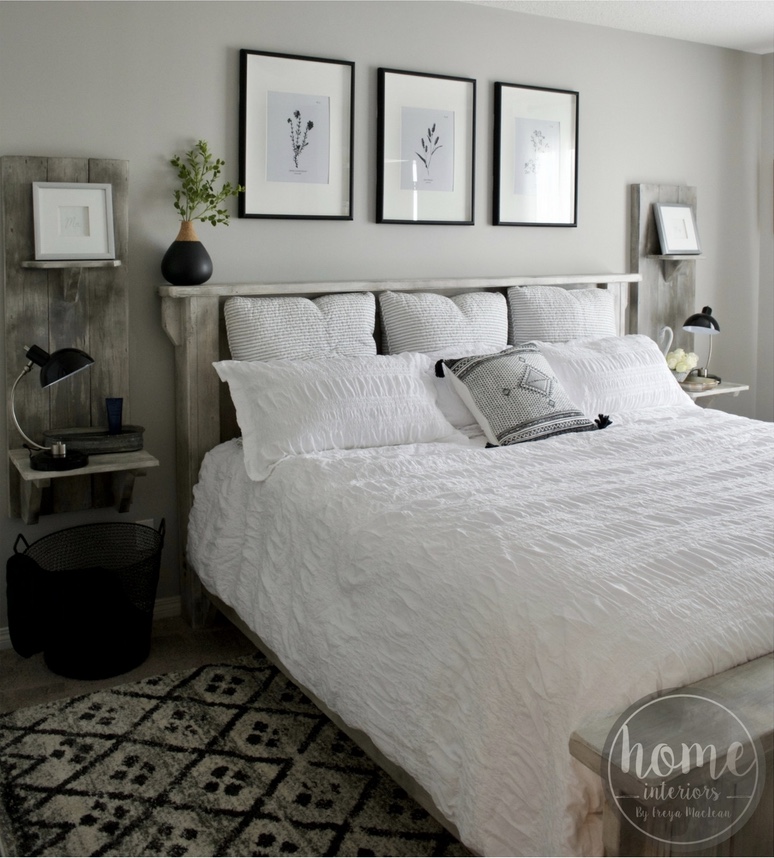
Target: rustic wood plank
26, 300
225, 290
109, 315
198, 427
66, 319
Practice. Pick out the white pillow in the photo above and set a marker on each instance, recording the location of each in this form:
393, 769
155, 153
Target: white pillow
288, 408
291, 327
447, 398
426, 322
614, 374
554, 315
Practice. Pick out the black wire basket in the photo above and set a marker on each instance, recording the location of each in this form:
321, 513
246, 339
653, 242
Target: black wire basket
85, 597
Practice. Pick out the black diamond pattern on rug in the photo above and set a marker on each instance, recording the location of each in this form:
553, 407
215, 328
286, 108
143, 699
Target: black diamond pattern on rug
228, 759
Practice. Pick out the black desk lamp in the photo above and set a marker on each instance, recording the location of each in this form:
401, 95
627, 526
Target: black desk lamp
703, 323
53, 368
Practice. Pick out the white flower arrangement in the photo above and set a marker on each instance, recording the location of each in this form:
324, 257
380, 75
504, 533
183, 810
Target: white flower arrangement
682, 362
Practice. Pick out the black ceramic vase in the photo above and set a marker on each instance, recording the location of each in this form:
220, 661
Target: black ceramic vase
186, 263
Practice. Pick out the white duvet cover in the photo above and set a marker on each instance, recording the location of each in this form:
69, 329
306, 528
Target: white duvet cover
469, 608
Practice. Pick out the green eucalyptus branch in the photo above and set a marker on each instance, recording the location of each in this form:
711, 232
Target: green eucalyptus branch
197, 198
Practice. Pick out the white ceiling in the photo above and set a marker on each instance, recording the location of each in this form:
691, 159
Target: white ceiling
745, 25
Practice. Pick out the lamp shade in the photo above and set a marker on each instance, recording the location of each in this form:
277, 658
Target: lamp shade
61, 364
702, 323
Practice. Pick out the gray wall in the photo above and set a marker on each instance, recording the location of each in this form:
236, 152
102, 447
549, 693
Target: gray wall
142, 81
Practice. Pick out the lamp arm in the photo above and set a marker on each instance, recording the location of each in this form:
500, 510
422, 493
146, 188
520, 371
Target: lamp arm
13, 410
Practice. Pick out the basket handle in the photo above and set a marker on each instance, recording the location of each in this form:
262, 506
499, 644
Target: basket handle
162, 529
16, 544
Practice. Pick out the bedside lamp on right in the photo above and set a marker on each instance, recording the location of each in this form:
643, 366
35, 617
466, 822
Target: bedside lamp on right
703, 323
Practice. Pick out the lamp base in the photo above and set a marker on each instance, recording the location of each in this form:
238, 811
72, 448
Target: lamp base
46, 461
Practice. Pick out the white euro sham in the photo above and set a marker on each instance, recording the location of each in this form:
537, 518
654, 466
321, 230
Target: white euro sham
614, 375
289, 408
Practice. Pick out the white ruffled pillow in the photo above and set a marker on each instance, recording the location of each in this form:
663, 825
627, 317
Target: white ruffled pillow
288, 408
614, 374
447, 398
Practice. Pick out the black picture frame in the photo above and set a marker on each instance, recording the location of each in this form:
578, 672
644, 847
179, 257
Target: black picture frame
295, 148
535, 156
426, 141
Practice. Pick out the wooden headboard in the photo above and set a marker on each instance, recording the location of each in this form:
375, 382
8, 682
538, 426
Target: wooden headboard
192, 317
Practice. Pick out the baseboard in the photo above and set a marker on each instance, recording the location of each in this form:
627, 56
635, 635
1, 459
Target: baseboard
167, 607
162, 610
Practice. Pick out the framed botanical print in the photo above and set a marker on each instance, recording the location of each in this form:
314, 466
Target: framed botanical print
425, 148
296, 134
535, 156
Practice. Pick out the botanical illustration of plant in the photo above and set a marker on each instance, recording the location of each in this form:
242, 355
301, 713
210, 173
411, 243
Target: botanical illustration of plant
539, 146
429, 146
298, 135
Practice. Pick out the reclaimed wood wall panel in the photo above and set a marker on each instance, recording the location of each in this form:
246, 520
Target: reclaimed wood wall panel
56, 308
667, 293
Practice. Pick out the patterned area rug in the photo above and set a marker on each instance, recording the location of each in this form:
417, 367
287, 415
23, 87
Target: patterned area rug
228, 759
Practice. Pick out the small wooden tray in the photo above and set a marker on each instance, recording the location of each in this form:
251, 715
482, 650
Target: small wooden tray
94, 440
697, 383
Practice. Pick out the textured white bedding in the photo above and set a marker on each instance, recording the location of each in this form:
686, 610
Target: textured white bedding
469, 608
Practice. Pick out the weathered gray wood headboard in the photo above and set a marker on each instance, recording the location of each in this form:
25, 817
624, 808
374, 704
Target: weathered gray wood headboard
192, 318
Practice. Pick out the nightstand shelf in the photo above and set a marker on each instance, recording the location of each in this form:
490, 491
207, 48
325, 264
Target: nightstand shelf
725, 387
123, 467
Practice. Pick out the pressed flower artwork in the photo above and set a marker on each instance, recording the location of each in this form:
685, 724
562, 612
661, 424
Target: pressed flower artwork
298, 147
427, 149
537, 158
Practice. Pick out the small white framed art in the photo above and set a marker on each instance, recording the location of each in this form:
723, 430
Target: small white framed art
73, 220
677, 232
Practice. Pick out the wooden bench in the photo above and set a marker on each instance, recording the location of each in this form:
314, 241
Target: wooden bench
748, 692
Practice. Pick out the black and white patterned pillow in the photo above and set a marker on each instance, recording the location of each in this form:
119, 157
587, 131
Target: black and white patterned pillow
515, 395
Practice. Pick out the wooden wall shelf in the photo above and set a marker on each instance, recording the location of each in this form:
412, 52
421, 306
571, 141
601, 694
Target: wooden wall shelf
122, 468
673, 263
71, 269
71, 263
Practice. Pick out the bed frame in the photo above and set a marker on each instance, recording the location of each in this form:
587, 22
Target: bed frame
193, 319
